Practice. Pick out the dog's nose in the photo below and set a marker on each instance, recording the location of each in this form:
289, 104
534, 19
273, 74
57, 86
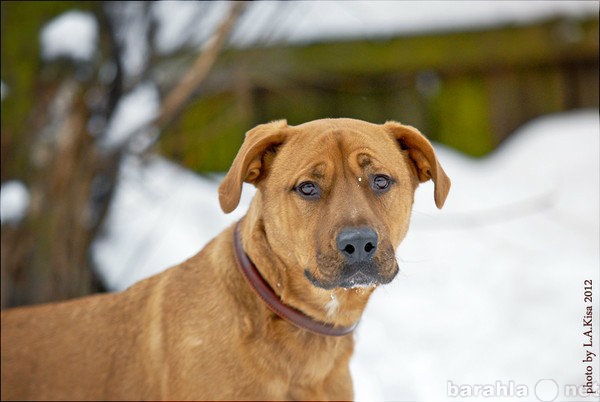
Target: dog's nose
357, 244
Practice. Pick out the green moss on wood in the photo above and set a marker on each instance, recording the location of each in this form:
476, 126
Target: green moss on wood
462, 116
208, 135
491, 81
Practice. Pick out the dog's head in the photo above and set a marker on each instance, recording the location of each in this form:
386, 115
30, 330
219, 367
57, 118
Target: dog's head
336, 195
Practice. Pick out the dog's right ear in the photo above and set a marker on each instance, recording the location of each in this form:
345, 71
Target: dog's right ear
248, 164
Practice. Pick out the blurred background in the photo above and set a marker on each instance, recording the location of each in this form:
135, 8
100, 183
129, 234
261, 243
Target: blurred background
120, 118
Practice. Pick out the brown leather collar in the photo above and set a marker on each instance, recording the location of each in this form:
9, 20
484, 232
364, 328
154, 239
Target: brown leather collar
266, 293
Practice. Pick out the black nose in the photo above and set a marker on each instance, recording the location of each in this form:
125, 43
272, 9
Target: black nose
357, 244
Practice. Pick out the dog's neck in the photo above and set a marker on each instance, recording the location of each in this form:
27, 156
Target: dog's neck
339, 307
265, 292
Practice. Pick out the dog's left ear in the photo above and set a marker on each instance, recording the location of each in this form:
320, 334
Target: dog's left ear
423, 157
248, 164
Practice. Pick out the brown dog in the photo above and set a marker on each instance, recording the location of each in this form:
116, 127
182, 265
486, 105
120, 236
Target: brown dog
333, 202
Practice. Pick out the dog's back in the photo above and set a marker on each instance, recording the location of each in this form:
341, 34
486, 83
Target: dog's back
171, 336
43, 345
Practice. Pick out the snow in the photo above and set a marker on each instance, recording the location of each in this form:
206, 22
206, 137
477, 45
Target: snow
179, 21
73, 34
134, 111
490, 288
14, 201
162, 214
4, 90
132, 29
269, 22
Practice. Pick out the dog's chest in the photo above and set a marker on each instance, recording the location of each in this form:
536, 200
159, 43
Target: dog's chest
304, 358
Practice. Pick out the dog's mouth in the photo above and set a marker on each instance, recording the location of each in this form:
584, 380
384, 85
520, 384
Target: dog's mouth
360, 280
332, 270
351, 276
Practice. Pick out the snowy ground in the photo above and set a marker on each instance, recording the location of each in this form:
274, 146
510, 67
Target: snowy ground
491, 288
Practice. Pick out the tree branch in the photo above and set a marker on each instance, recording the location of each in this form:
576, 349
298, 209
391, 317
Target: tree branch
142, 139
177, 98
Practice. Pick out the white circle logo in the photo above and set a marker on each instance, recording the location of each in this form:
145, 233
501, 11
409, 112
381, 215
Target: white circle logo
546, 390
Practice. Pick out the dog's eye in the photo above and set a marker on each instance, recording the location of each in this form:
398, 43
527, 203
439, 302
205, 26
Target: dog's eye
309, 190
381, 183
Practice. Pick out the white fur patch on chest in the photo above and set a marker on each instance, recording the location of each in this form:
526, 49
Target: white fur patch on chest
332, 306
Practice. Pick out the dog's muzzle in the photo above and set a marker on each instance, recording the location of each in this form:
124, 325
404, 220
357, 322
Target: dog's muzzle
356, 264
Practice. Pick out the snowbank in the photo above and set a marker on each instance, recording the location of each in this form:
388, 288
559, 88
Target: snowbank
490, 287
162, 214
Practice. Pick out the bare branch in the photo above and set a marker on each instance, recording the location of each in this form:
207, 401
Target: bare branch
200, 69
142, 139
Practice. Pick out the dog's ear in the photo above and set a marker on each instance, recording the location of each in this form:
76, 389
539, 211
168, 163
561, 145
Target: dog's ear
248, 164
423, 157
